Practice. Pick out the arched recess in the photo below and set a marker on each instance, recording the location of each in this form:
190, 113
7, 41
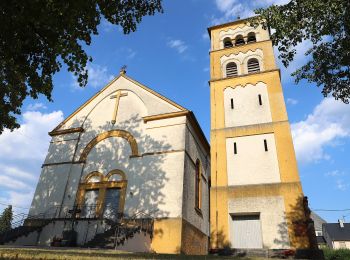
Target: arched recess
257, 56
113, 133
224, 64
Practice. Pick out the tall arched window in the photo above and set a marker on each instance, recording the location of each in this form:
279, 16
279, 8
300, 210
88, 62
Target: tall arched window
198, 184
239, 40
228, 42
253, 65
251, 37
231, 69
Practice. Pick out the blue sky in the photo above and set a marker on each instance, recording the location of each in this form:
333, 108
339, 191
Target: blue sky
169, 53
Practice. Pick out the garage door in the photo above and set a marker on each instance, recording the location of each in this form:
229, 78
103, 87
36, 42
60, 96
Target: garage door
245, 231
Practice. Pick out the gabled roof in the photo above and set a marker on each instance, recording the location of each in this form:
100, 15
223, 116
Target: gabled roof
110, 83
318, 221
337, 233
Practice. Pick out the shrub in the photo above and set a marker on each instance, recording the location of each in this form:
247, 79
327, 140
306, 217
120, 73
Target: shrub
337, 254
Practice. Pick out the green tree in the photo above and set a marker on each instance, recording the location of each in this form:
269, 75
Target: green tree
326, 24
38, 36
6, 219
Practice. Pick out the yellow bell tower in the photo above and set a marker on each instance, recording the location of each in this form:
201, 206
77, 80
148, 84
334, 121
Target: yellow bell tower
256, 196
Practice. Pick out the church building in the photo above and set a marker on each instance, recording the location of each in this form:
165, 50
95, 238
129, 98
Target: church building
129, 169
132, 170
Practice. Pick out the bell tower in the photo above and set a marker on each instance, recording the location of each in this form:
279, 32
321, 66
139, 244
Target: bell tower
256, 196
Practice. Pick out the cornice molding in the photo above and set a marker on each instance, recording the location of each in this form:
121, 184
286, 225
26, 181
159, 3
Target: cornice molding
66, 131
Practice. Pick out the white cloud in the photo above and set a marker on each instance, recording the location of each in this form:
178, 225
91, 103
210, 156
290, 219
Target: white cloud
31, 140
12, 183
234, 9
334, 173
20, 200
341, 185
15, 171
292, 101
329, 121
36, 106
178, 45
129, 53
98, 76
21, 155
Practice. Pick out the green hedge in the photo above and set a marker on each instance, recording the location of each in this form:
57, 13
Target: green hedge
338, 254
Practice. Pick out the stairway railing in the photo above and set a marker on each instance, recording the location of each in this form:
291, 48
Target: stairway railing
122, 229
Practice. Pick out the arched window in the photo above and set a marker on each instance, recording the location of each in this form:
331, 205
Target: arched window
198, 184
231, 69
251, 37
228, 43
239, 40
253, 65
102, 196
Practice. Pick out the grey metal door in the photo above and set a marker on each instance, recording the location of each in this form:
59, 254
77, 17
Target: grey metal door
245, 231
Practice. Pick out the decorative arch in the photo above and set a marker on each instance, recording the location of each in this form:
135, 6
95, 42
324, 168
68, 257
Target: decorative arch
93, 174
226, 62
116, 172
253, 56
113, 133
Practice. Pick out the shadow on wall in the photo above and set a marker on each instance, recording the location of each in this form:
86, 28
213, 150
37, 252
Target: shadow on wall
146, 178
301, 227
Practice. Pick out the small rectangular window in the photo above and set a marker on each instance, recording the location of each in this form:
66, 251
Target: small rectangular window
260, 101
234, 148
265, 145
232, 106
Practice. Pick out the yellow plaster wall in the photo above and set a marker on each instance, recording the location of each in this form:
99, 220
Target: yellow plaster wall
292, 192
167, 236
215, 32
265, 46
290, 187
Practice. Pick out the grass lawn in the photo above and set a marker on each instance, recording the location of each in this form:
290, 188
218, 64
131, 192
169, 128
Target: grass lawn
98, 254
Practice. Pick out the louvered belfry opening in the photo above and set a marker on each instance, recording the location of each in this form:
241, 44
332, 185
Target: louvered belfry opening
253, 66
228, 43
251, 37
239, 40
231, 70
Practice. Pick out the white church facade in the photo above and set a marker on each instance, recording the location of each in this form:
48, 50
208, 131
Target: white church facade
131, 159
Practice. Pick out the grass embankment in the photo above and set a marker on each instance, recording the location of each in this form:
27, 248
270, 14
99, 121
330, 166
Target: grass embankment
27, 253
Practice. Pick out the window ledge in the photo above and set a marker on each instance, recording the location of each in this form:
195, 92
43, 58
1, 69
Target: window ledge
198, 211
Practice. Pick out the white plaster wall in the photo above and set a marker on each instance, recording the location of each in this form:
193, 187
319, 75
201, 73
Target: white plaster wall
155, 185
261, 34
154, 180
61, 151
252, 164
50, 190
247, 110
336, 244
272, 217
195, 151
71, 189
154, 105
49, 231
